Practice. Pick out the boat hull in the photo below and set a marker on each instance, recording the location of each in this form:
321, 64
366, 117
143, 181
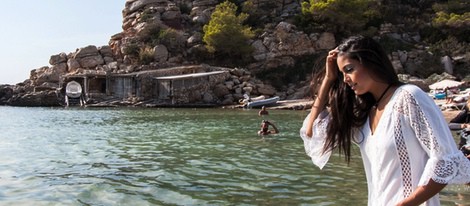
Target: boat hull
264, 102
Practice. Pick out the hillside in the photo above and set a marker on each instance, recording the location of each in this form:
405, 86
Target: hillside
276, 43
286, 40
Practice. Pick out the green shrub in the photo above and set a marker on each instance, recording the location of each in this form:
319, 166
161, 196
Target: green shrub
453, 18
149, 34
339, 16
171, 38
225, 33
132, 49
146, 15
146, 55
257, 15
450, 46
153, 34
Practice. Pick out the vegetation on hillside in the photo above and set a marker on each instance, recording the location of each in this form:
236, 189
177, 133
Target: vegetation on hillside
342, 17
345, 17
140, 49
440, 27
225, 35
452, 24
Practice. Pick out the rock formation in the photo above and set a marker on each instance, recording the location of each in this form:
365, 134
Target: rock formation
279, 45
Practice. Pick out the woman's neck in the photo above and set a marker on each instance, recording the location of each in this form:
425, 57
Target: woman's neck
382, 96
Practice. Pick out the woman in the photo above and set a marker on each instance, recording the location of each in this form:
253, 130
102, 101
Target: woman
408, 156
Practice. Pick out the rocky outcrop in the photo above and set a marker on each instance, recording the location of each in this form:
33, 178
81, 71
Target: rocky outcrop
84, 60
42, 87
278, 44
239, 83
36, 99
280, 47
6, 92
24, 95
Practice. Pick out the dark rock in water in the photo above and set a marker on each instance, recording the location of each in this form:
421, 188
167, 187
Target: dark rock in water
36, 99
6, 92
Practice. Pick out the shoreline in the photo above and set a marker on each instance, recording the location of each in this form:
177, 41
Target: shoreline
306, 104
296, 104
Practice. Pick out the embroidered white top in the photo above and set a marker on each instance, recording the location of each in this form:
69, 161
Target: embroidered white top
411, 144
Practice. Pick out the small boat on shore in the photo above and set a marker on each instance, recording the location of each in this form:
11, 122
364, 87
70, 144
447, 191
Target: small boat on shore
73, 89
263, 102
74, 94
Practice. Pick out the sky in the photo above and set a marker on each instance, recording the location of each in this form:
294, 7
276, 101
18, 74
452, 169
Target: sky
32, 31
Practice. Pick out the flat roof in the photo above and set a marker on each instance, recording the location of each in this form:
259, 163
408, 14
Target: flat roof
192, 75
82, 75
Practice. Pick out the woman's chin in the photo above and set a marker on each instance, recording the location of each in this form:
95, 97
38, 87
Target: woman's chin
359, 92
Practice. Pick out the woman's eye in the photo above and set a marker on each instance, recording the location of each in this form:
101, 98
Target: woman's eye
348, 69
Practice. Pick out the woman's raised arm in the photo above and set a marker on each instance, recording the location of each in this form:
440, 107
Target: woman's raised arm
321, 99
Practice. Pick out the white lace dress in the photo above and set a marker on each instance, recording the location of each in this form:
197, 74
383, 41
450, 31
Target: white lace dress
411, 144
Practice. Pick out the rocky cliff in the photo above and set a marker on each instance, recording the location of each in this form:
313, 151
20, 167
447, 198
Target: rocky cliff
278, 45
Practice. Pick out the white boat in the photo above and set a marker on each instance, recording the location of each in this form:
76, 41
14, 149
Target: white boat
73, 89
73, 94
263, 102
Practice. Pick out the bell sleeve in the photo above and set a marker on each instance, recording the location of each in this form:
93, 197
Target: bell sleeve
314, 145
446, 164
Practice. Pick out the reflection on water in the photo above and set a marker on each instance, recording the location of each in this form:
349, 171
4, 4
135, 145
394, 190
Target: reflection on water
124, 156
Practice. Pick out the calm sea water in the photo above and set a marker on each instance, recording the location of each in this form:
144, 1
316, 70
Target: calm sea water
126, 156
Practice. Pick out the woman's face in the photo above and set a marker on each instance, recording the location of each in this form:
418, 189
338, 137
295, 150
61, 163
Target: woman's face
355, 75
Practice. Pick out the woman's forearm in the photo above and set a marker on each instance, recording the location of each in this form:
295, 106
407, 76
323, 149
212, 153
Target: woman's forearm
318, 104
422, 194
322, 98
331, 74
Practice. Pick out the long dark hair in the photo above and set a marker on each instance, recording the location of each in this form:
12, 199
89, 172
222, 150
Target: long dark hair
350, 111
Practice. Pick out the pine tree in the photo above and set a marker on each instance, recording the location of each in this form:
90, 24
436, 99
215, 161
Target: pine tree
225, 35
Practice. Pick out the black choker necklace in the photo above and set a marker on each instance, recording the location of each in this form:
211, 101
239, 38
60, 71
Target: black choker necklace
381, 96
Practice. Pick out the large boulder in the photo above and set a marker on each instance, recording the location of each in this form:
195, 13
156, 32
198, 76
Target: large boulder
91, 61
58, 58
221, 90
326, 41
160, 53
6, 92
134, 5
266, 89
36, 99
89, 57
48, 74
73, 65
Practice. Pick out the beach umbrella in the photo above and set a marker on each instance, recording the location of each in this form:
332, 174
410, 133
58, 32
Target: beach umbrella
446, 83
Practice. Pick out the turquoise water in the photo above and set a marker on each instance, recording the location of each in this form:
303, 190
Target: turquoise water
135, 156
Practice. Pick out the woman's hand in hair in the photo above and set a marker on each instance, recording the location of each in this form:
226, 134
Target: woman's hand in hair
331, 65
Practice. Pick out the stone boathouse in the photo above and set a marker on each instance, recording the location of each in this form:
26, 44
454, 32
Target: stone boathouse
185, 85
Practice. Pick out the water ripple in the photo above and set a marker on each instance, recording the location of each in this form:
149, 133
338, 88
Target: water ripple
76, 156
